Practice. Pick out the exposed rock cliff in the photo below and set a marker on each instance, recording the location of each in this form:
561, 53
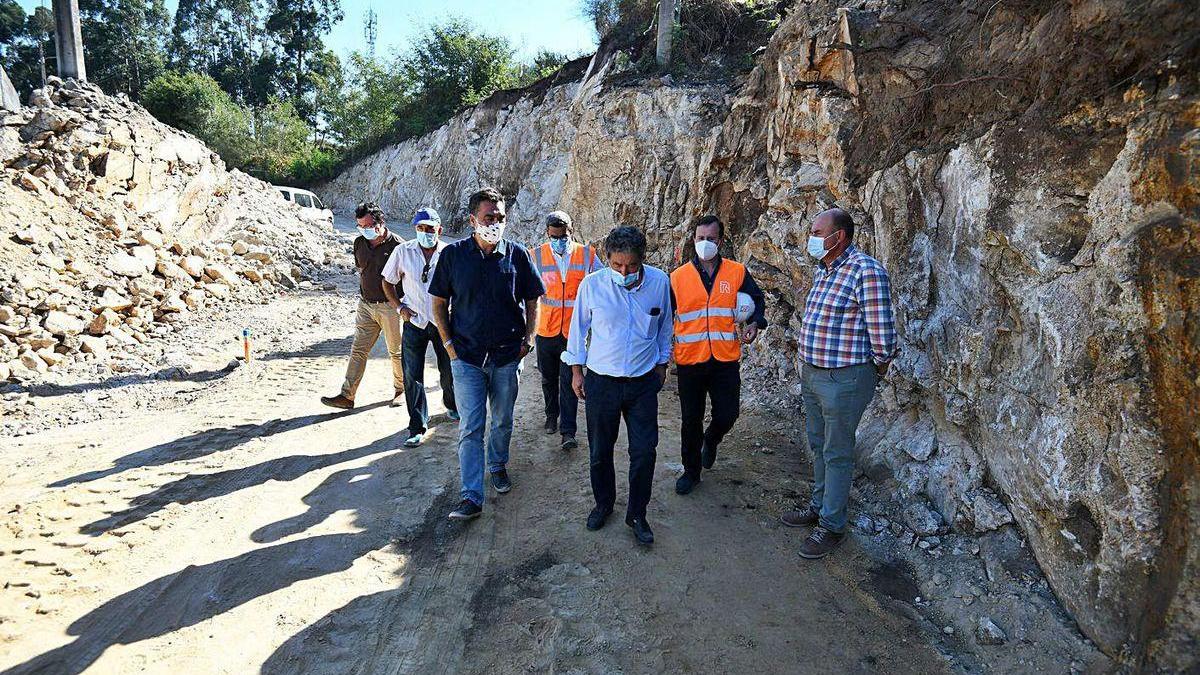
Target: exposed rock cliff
1026, 171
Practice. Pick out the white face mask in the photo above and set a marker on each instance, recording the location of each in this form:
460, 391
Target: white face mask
706, 249
492, 234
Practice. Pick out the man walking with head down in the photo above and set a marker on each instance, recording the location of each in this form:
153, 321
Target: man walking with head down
621, 333
484, 292
847, 341
562, 264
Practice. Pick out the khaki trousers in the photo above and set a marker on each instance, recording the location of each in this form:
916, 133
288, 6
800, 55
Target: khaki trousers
372, 319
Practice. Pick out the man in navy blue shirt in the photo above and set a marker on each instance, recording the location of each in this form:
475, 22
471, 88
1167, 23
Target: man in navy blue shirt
484, 293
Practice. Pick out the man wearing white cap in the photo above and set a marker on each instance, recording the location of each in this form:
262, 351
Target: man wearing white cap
562, 264
411, 267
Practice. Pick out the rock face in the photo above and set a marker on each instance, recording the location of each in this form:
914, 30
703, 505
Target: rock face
1037, 212
116, 225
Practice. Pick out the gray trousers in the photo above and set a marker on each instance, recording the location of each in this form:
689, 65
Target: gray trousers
834, 401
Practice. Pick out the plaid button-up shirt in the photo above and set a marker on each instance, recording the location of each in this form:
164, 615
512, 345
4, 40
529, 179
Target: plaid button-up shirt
848, 316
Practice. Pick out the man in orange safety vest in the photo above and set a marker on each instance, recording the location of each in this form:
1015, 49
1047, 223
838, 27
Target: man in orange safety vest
708, 345
562, 264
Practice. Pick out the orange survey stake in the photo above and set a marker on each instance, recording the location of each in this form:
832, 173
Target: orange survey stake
246, 343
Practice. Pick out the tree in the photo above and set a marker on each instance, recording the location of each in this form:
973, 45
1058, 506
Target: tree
220, 37
455, 66
195, 103
361, 105
124, 42
544, 64
295, 29
25, 44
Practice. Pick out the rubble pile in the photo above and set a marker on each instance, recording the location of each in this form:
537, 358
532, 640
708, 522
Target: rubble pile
116, 229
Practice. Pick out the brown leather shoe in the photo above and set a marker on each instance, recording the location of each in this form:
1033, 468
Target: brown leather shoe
820, 543
338, 401
398, 399
805, 518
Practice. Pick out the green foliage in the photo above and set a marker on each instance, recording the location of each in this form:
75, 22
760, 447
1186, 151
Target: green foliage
197, 104
309, 168
28, 46
360, 105
544, 64
453, 67
295, 29
222, 38
125, 42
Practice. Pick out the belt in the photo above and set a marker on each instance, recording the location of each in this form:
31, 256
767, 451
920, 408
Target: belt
617, 378
813, 365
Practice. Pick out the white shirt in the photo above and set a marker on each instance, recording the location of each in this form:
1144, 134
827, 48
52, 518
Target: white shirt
562, 261
630, 330
407, 264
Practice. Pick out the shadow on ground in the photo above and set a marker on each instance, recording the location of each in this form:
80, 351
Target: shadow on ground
200, 592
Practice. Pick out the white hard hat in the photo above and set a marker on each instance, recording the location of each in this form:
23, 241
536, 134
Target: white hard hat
745, 308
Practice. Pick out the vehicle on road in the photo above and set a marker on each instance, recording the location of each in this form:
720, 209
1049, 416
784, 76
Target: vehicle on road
311, 206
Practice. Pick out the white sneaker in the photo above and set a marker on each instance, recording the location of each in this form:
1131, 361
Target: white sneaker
414, 440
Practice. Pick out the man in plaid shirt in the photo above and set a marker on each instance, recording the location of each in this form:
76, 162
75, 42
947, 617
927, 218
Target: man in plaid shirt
847, 341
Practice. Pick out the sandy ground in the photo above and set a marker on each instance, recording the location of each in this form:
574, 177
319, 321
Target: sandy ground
232, 524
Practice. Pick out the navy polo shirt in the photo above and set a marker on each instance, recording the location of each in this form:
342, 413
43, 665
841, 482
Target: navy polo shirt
487, 295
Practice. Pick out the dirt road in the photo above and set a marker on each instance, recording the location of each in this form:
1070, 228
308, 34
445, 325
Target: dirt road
236, 525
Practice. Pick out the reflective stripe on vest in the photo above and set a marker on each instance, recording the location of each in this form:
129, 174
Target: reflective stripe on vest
557, 305
705, 323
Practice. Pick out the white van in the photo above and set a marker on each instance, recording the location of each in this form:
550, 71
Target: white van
311, 206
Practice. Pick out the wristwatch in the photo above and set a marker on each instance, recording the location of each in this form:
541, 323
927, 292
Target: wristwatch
449, 342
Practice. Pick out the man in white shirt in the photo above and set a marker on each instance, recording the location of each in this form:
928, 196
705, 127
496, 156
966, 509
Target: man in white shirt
411, 266
625, 310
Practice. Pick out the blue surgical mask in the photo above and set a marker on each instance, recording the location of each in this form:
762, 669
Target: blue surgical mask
369, 233
626, 280
560, 245
427, 239
816, 246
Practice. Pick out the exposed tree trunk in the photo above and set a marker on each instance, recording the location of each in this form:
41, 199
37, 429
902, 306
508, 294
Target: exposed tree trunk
666, 25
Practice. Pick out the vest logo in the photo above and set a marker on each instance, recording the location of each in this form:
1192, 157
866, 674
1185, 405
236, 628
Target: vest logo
725, 288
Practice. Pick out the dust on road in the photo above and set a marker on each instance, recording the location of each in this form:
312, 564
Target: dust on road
244, 527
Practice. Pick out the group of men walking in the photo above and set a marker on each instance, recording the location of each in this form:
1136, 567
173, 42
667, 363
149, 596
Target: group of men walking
605, 332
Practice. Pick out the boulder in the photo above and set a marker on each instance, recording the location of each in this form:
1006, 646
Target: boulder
150, 238
240, 247
988, 633
32, 361
217, 290
7, 314
91, 344
61, 323
259, 255
33, 235
146, 255
225, 249
111, 299
221, 273
52, 261
989, 512
194, 298
193, 265
123, 264
173, 303
253, 275
173, 272
102, 322
921, 519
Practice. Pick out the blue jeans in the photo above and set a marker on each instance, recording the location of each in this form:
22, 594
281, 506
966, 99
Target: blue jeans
478, 391
834, 402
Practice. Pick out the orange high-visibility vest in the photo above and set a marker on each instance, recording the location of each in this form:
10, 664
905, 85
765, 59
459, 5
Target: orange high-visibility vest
705, 325
558, 304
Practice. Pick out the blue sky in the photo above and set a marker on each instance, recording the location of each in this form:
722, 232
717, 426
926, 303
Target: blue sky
529, 25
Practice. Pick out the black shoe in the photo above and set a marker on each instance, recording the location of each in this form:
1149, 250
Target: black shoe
820, 543
501, 482
551, 426
467, 510
641, 530
805, 517
569, 442
686, 483
708, 455
597, 518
